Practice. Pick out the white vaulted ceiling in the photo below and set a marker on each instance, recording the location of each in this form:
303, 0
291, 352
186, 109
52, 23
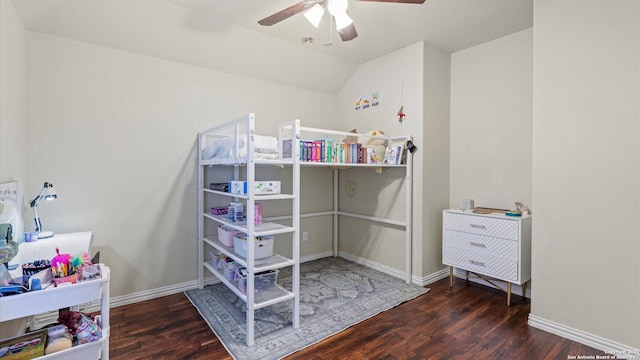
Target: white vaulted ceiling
224, 34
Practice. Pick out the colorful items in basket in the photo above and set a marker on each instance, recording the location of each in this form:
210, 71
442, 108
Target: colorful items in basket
82, 327
33, 268
263, 246
65, 268
219, 210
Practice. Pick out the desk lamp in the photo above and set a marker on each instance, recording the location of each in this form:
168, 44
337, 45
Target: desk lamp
47, 193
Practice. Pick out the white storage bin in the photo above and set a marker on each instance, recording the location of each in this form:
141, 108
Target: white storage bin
263, 281
230, 269
263, 246
226, 234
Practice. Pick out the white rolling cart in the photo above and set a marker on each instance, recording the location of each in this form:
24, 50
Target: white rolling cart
55, 298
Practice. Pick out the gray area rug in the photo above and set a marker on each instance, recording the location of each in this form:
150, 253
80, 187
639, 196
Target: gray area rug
334, 294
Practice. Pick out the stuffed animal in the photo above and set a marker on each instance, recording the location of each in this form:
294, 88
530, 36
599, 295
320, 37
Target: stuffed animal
374, 141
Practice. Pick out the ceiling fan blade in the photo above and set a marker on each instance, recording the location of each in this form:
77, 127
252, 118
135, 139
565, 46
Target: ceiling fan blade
399, 1
287, 13
348, 33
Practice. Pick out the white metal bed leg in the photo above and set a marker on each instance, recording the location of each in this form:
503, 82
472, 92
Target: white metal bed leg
408, 214
336, 191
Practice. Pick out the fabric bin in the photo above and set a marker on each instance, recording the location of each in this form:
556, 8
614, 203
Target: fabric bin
263, 246
262, 281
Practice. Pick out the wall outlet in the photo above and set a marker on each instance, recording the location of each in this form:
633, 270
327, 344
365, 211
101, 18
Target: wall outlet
305, 236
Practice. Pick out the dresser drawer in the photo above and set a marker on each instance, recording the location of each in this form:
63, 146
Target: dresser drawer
482, 225
482, 244
500, 268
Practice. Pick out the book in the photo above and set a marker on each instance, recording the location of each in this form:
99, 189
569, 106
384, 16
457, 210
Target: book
401, 154
393, 155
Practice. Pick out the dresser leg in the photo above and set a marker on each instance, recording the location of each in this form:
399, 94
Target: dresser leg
524, 291
450, 276
508, 294
467, 277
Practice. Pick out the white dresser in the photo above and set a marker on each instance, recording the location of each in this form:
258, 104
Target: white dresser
490, 246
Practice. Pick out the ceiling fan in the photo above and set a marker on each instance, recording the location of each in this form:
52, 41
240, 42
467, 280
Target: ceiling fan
314, 10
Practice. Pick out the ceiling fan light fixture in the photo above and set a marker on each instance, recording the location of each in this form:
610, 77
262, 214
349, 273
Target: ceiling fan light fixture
342, 20
314, 15
337, 7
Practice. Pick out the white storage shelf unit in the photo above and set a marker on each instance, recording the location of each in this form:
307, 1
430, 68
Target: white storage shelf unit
236, 149
54, 298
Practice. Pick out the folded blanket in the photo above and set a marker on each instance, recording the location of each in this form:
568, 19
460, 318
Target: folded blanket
266, 144
225, 147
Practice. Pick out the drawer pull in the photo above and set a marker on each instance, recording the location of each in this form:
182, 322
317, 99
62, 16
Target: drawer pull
475, 226
478, 263
477, 244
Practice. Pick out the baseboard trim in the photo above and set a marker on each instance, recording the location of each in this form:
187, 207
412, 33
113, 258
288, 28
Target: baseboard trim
373, 265
608, 346
420, 281
438, 275
316, 256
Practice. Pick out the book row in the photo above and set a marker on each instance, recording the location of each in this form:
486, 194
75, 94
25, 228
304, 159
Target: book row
328, 151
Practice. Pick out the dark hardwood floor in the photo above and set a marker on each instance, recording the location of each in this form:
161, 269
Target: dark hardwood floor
466, 322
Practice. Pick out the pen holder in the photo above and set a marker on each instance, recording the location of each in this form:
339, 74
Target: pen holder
67, 279
33, 268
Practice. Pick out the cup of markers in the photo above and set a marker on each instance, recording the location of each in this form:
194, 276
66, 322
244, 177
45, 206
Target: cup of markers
61, 269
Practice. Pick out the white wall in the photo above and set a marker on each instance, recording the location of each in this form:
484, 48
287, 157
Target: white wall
435, 178
586, 168
115, 132
398, 79
418, 78
491, 115
13, 102
13, 119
